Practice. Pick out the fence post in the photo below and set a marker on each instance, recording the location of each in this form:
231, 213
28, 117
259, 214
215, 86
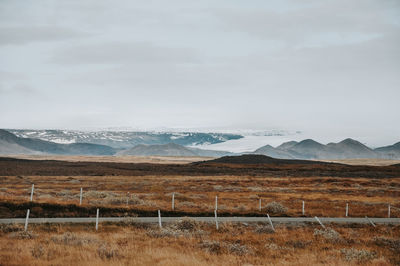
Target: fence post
173, 201
97, 219
80, 197
259, 204
389, 210
347, 209
316, 218
371, 222
159, 219
33, 187
216, 219
26, 219
302, 208
270, 222
216, 203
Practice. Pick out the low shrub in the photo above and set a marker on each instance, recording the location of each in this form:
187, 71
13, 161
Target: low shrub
71, 239
276, 208
8, 228
358, 255
393, 244
22, 235
185, 227
328, 234
186, 224
263, 230
238, 249
213, 247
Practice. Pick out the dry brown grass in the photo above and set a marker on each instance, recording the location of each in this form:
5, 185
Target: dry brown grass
189, 243
196, 194
233, 244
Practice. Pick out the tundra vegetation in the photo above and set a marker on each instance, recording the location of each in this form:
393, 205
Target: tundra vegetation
193, 243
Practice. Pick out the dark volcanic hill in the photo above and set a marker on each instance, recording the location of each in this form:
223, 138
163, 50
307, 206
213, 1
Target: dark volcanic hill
11, 144
170, 149
287, 145
349, 148
256, 159
293, 168
346, 149
389, 152
270, 151
306, 149
309, 149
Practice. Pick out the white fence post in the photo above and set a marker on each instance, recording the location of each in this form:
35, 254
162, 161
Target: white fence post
216, 203
80, 197
216, 219
159, 219
371, 222
316, 218
270, 222
26, 219
259, 204
173, 201
302, 208
389, 211
347, 209
97, 219
33, 187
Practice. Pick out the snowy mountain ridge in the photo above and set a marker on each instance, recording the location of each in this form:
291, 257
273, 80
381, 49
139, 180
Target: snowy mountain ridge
125, 139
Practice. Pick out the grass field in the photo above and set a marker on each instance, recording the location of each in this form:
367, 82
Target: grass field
196, 194
189, 243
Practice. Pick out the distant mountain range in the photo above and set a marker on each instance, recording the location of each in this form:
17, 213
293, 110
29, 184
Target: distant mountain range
125, 139
11, 144
310, 149
305, 150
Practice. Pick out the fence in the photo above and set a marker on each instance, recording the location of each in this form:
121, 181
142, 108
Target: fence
253, 204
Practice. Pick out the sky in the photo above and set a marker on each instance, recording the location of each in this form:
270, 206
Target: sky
328, 68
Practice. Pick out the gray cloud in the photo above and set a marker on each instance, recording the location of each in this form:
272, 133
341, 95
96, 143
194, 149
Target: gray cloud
326, 22
19, 35
326, 66
127, 53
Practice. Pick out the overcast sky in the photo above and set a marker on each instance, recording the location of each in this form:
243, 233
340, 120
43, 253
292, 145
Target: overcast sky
328, 67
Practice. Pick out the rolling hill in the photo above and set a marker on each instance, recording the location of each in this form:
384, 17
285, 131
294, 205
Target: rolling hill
170, 149
346, 149
274, 152
11, 144
389, 152
257, 159
349, 148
